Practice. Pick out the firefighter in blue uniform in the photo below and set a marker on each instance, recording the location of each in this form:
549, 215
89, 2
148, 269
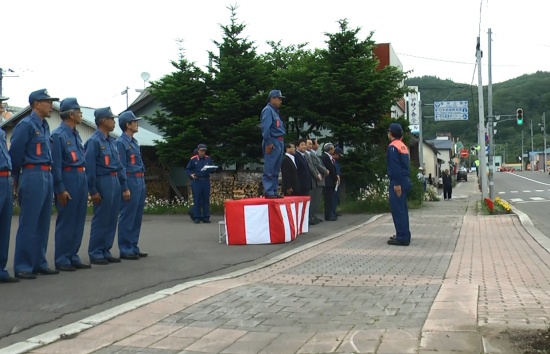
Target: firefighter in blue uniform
273, 132
6, 203
105, 177
31, 161
131, 211
397, 160
200, 184
70, 186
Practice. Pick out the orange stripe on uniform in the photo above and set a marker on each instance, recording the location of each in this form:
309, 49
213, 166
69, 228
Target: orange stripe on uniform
400, 146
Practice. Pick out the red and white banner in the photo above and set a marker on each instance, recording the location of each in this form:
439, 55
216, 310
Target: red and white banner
260, 221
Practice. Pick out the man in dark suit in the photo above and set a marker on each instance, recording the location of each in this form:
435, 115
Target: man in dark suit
304, 176
330, 181
289, 171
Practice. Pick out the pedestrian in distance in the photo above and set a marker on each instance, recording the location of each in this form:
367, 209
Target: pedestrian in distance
289, 171
273, 133
398, 165
70, 187
447, 185
317, 183
131, 210
105, 177
422, 178
199, 168
6, 203
32, 163
302, 168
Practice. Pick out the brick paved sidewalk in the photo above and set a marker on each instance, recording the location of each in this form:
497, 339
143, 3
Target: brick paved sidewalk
462, 274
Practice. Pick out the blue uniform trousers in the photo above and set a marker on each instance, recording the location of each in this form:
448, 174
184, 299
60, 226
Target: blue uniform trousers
272, 167
35, 201
6, 211
400, 211
131, 215
201, 198
104, 221
69, 226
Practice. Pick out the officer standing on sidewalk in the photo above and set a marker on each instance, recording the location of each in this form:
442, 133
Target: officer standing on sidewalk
398, 160
200, 184
70, 187
131, 211
6, 203
32, 163
273, 132
104, 180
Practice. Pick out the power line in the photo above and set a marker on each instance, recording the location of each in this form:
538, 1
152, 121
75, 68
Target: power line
449, 61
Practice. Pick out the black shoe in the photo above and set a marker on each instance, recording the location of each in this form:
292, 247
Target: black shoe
206, 221
131, 256
47, 271
331, 219
112, 259
143, 254
9, 279
280, 196
66, 268
99, 261
397, 243
271, 197
197, 221
82, 266
392, 237
25, 275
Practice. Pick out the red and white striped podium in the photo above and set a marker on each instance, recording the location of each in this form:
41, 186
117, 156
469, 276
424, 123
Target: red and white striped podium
262, 221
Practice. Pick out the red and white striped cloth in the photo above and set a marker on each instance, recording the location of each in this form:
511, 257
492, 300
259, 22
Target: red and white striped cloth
261, 221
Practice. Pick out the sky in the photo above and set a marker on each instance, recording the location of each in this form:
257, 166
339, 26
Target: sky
93, 50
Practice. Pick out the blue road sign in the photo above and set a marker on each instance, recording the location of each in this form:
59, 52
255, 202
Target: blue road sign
450, 110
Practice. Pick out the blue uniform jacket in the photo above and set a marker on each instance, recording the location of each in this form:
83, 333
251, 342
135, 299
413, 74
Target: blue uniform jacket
397, 162
5, 159
67, 151
30, 144
101, 160
196, 164
271, 124
130, 155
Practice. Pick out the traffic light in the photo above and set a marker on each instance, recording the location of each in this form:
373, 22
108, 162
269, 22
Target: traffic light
519, 116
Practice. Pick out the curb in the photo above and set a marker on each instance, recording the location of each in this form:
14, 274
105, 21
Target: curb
73, 329
532, 230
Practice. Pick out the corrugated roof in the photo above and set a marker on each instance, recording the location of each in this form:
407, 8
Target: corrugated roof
441, 144
143, 136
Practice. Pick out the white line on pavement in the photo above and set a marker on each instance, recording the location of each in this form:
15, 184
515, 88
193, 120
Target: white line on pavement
515, 200
536, 198
501, 192
529, 179
527, 191
513, 191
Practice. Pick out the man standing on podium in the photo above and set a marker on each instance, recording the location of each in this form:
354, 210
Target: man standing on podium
273, 132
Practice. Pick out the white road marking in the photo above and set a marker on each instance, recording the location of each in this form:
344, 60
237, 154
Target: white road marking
527, 191
534, 201
529, 179
536, 198
501, 192
515, 200
539, 190
513, 191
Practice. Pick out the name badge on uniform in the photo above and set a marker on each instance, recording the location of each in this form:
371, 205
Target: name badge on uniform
68, 142
38, 132
102, 147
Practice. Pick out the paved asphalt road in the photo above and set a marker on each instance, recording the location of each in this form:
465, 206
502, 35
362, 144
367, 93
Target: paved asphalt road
178, 251
529, 192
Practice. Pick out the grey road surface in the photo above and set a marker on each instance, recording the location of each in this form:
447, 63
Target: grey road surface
529, 192
178, 251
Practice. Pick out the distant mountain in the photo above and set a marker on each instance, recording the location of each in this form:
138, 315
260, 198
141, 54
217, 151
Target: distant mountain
529, 92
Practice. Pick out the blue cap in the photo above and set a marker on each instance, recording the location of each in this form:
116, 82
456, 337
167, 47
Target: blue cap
68, 103
41, 95
126, 117
4, 98
339, 151
104, 112
275, 93
201, 146
395, 129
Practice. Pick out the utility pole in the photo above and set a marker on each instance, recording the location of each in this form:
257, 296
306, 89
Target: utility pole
532, 155
544, 127
490, 129
522, 162
481, 125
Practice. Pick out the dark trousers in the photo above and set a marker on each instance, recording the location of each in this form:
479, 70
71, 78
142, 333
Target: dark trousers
131, 215
400, 212
201, 198
329, 202
69, 225
105, 219
6, 211
35, 200
447, 192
